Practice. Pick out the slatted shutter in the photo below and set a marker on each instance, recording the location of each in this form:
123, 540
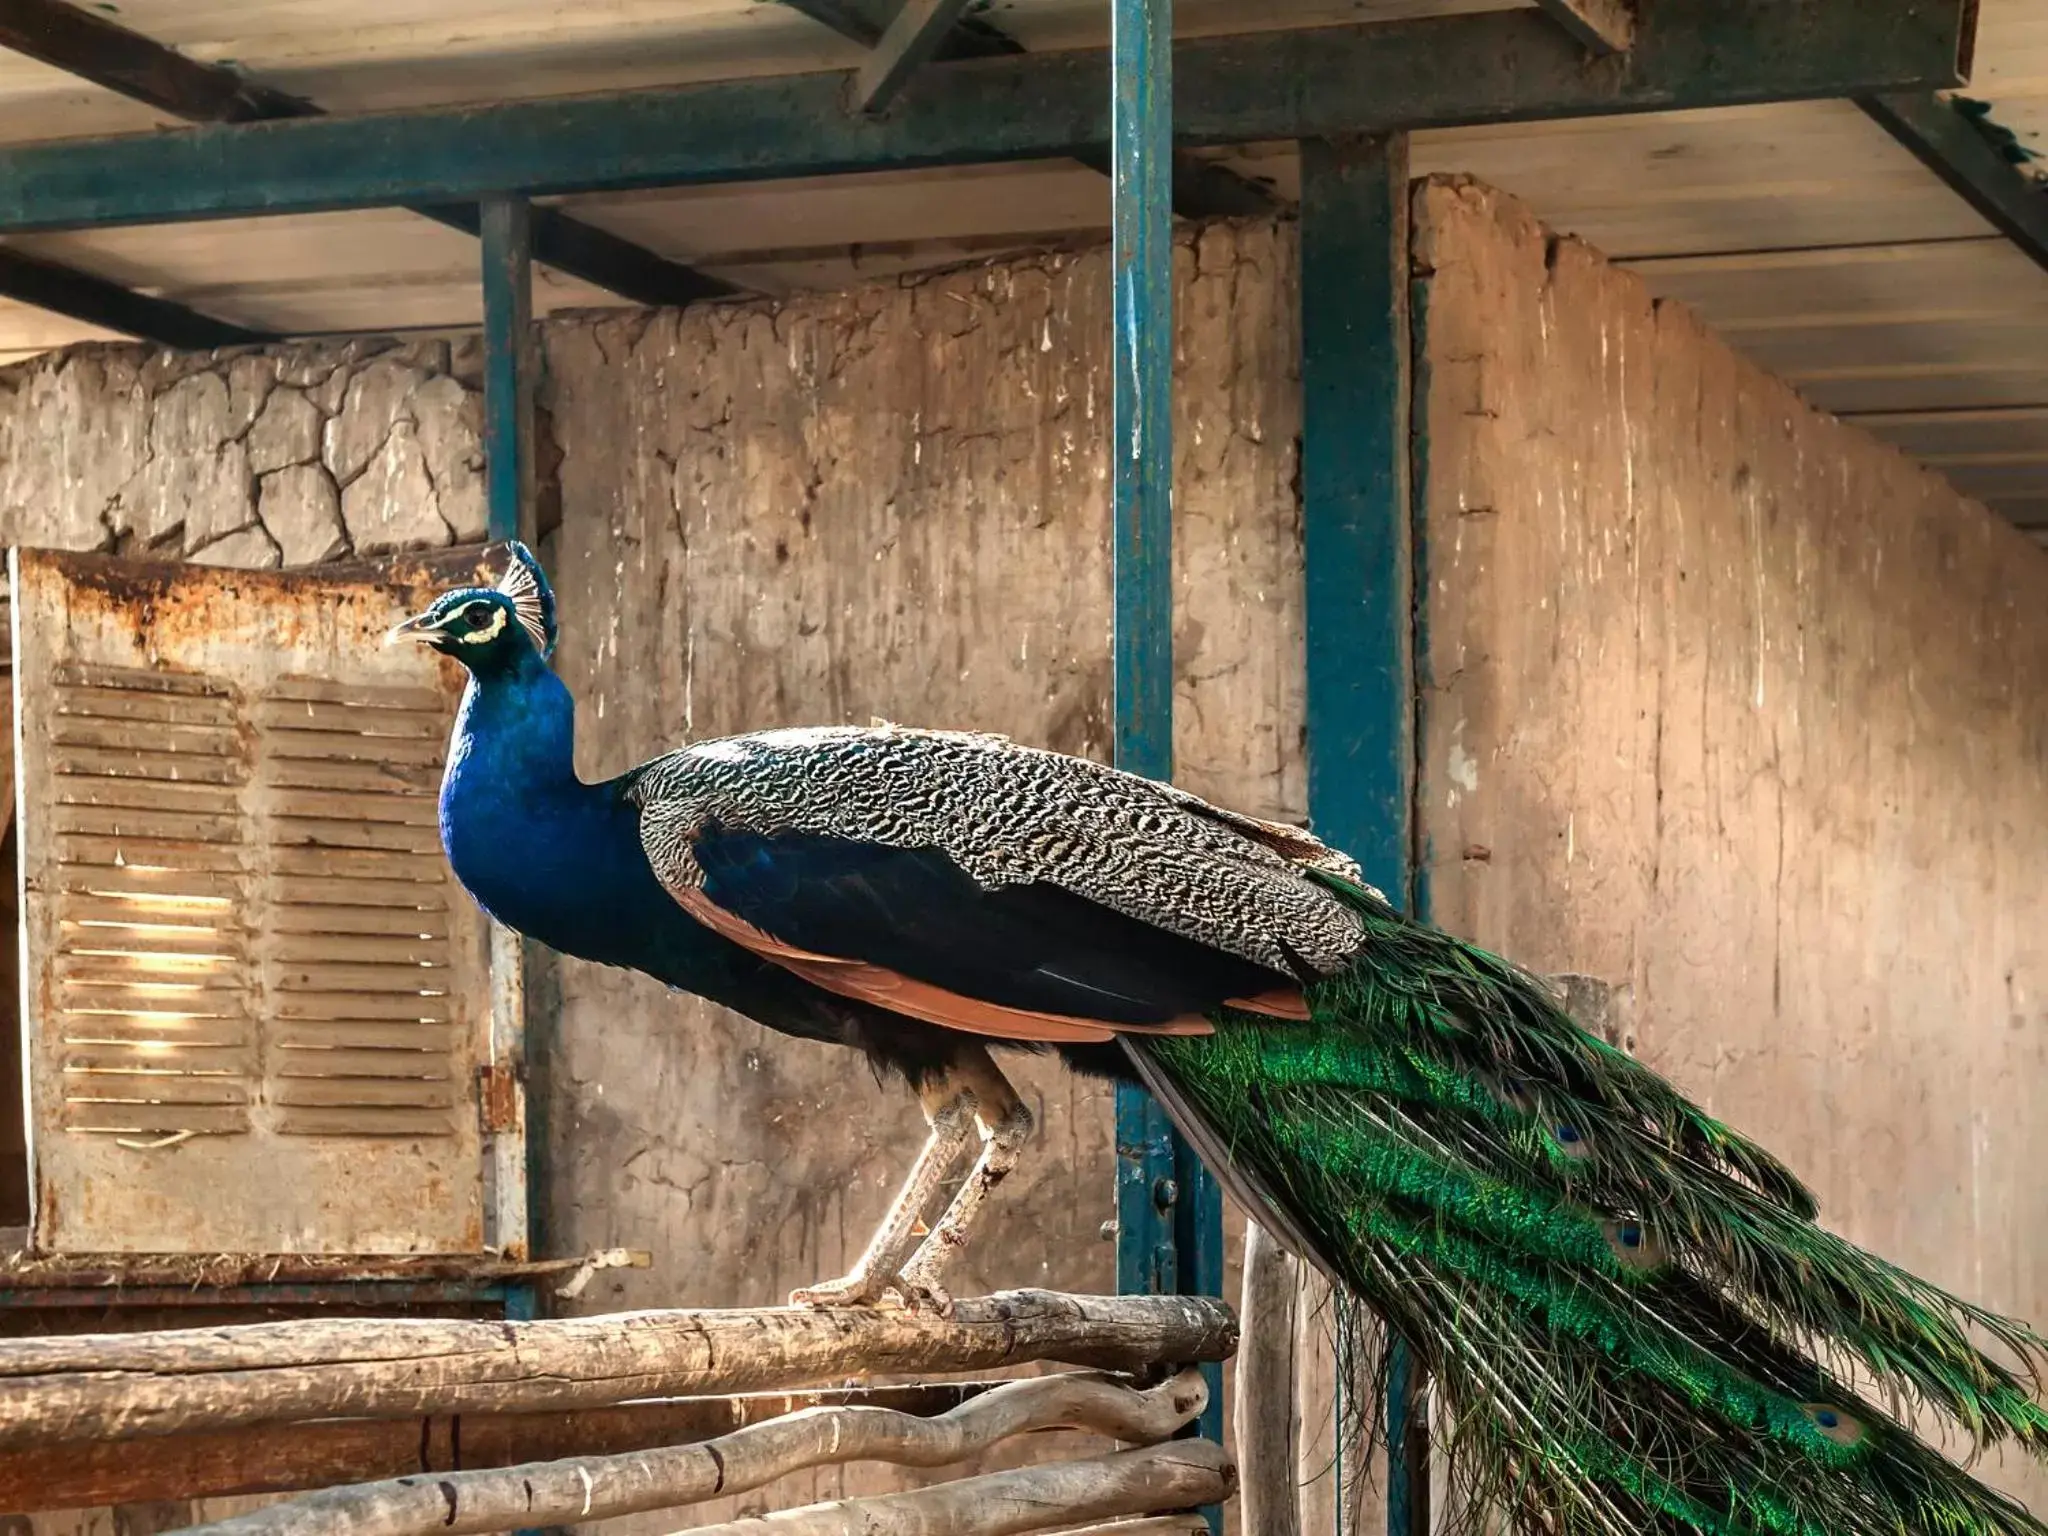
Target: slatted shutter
256, 1003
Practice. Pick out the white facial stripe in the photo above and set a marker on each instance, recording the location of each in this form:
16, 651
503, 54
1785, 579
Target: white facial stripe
490, 631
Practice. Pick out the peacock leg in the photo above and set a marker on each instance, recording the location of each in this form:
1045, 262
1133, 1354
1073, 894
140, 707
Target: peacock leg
1006, 1124
949, 1108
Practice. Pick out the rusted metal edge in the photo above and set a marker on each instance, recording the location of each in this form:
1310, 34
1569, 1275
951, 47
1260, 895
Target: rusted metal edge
359, 1295
124, 576
182, 1275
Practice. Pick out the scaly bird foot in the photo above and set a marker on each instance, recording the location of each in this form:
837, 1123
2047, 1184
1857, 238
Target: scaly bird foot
866, 1286
855, 1290
921, 1291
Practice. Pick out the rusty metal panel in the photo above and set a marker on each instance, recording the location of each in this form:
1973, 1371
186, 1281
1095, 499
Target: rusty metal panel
256, 1005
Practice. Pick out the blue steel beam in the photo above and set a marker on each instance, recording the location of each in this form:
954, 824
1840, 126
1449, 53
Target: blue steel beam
507, 230
1354, 486
1358, 547
1491, 67
1141, 601
1169, 1208
597, 256
1956, 150
1141, 410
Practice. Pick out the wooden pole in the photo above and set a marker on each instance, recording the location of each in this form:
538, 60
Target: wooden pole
600, 1487
291, 1458
1174, 1476
1267, 1415
113, 1386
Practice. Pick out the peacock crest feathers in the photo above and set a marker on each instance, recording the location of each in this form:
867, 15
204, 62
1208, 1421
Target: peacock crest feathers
1634, 1321
533, 600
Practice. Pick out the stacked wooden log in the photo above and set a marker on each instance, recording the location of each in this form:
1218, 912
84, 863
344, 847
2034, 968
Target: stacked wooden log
432, 1426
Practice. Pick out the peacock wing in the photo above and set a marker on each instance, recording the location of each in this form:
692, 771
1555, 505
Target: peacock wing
976, 884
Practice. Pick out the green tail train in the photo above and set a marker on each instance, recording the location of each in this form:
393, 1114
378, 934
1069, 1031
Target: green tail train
1633, 1320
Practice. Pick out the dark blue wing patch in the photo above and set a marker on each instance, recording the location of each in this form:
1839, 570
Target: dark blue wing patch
913, 910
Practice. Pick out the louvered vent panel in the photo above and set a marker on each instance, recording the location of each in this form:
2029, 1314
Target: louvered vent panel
153, 981
357, 954
255, 1004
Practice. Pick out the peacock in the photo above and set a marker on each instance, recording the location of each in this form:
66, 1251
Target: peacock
1632, 1319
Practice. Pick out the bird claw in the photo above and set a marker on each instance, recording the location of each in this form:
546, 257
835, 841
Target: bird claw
854, 1290
921, 1292
911, 1291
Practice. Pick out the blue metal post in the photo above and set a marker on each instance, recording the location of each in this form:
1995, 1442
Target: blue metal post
1169, 1209
507, 234
1360, 554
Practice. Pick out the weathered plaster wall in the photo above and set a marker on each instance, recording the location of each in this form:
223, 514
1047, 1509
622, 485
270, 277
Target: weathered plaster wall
1734, 708
255, 458
887, 503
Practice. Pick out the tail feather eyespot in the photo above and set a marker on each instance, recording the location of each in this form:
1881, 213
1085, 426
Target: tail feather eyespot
1841, 1428
1635, 1247
1571, 1141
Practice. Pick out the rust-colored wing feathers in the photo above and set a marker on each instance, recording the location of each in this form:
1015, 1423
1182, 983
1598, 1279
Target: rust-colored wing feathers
936, 1005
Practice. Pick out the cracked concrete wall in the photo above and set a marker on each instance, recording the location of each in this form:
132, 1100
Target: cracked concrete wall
890, 502
1739, 711
247, 457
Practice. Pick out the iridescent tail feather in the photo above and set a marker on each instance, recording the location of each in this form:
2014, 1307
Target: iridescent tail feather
1632, 1318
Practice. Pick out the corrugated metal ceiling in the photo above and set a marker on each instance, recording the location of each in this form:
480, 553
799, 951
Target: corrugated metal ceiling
1803, 232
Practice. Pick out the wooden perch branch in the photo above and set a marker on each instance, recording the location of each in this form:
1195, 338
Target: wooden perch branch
113, 1386
289, 1458
1178, 1475
598, 1487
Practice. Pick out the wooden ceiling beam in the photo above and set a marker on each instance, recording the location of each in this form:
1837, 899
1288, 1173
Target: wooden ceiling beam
97, 301
49, 35
75, 40
912, 38
88, 45
1601, 26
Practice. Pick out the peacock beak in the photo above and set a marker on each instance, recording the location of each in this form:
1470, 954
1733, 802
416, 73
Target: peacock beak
421, 628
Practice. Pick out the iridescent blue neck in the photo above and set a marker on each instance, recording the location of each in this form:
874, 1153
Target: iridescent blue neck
516, 726
561, 861
526, 837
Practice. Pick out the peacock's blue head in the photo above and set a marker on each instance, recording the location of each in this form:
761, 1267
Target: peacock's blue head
490, 629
